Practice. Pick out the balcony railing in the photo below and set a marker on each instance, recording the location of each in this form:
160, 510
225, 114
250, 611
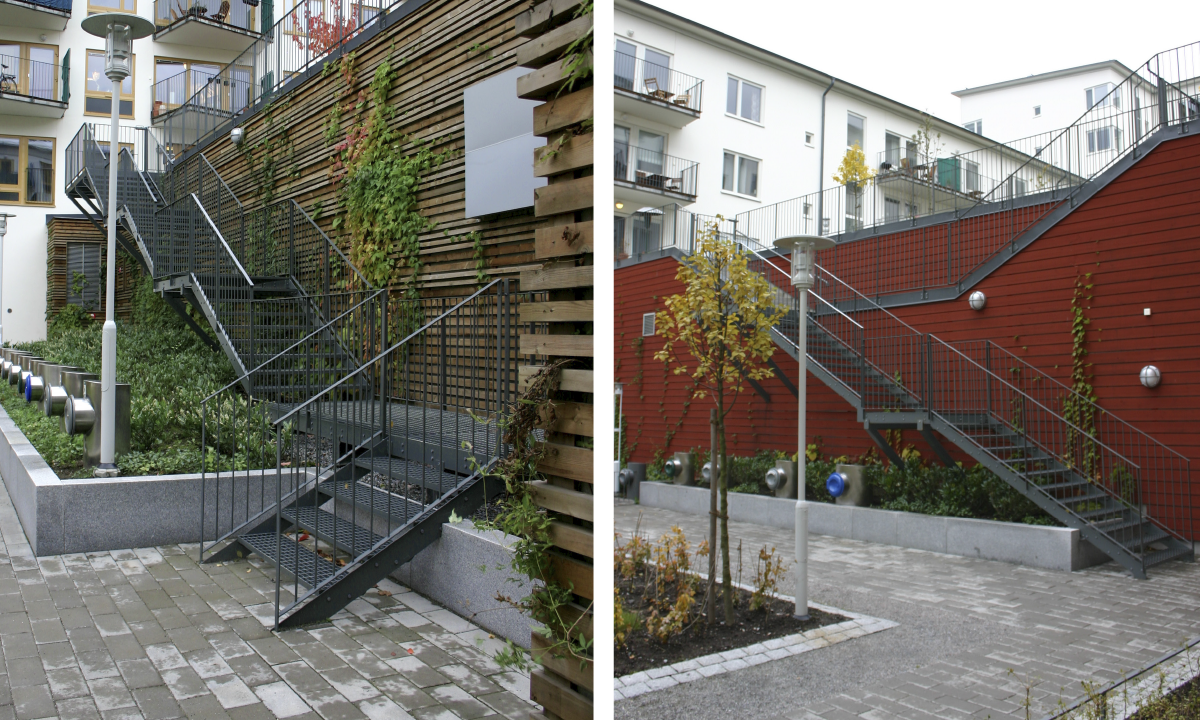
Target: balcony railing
669, 226
234, 13
300, 40
170, 93
655, 81
60, 5
654, 170
33, 78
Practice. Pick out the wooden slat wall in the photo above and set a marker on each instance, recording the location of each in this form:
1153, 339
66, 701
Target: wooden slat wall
62, 230
561, 327
436, 52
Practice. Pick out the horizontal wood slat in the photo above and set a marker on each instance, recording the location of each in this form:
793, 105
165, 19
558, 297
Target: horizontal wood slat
573, 574
545, 15
573, 154
561, 500
556, 695
546, 82
552, 278
562, 112
567, 461
564, 197
564, 240
549, 47
571, 380
557, 345
575, 670
572, 538
570, 417
558, 311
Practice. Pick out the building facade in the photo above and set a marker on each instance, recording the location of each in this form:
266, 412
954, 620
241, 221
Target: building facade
52, 81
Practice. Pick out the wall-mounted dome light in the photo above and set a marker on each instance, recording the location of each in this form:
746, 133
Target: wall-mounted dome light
977, 300
236, 135
1150, 376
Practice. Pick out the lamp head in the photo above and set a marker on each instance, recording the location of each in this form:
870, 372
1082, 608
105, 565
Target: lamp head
804, 256
4, 223
119, 30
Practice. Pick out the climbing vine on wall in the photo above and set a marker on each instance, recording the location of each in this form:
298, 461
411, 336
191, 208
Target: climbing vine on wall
1077, 408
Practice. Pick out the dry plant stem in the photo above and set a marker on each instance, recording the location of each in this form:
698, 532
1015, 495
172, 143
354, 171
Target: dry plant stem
711, 592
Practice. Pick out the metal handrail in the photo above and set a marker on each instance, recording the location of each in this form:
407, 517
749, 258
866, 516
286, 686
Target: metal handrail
217, 232
823, 301
388, 351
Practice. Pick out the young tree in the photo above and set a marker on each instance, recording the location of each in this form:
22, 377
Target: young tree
723, 321
929, 145
853, 172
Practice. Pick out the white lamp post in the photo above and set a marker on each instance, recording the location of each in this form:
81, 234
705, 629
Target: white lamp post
119, 30
3, 231
804, 263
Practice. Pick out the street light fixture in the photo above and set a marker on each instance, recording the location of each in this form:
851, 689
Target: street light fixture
804, 265
119, 30
3, 231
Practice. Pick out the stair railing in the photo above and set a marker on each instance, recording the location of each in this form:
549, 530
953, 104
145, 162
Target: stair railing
402, 435
237, 431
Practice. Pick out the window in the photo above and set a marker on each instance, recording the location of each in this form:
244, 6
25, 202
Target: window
26, 171
98, 100
648, 157
824, 226
1018, 187
808, 139
744, 100
623, 65
29, 69
175, 81
975, 126
1106, 138
1102, 96
891, 210
83, 275
740, 175
891, 146
970, 176
658, 71
1037, 110
103, 6
647, 324
620, 153
910, 153
854, 130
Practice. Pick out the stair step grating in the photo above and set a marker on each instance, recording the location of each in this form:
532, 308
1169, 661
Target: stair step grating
345, 535
297, 559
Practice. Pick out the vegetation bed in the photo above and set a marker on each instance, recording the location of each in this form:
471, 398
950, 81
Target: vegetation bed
170, 371
660, 609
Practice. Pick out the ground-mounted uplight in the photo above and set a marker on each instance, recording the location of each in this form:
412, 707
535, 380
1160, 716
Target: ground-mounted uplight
977, 300
804, 267
1150, 376
119, 30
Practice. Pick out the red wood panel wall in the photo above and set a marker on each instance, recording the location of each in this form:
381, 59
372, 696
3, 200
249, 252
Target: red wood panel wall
1139, 238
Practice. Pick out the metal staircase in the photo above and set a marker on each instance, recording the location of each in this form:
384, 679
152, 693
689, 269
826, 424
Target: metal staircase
358, 422
1126, 493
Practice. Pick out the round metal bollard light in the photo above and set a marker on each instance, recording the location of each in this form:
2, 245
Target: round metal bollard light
977, 300
80, 416
836, 484
776, 478
54, 402
1150, 376
35, 386
624, 480
673, 467
706, 472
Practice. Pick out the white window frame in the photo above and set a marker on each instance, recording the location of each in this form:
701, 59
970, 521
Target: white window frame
648, 322
975, 126
1107, 98
863, 147
762, 102
1037, 111
737, 164
810, 138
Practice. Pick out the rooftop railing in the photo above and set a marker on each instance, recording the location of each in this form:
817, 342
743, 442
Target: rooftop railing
34, 78
300, 40
655, 81
654, 170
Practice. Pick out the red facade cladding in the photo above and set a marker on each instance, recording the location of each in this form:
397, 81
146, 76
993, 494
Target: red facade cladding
1139, 238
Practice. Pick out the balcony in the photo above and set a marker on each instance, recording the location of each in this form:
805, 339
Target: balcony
654, 92
648, 178
32, 88
172, 92
35, 14
224, 25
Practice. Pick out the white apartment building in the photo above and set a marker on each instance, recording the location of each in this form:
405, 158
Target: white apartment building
52, 82
719, 126
1042, 103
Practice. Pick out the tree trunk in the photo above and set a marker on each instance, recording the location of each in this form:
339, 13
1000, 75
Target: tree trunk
726, 571
712, 521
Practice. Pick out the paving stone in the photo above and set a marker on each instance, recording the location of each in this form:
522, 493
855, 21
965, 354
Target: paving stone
281, 700
33, 701
231, 692
157, 703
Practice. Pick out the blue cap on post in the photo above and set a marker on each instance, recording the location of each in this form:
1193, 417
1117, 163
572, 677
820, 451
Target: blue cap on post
836, 484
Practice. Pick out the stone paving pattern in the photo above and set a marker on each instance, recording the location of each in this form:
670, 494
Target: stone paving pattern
152, 634
974, 636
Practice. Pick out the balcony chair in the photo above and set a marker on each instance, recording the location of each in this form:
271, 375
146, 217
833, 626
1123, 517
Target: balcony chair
652, 89
223, 12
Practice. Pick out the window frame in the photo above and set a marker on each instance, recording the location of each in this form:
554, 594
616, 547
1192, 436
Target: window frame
863, 144
974, 126
737, 165
1037, 111
21, 188
97, 9
762, 100
89, 93
1108, 99
23, 74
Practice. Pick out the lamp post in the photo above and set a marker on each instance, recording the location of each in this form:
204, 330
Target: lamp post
3, 231
119, 30
804, 264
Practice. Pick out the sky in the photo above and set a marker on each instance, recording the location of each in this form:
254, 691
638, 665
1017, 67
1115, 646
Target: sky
918, 53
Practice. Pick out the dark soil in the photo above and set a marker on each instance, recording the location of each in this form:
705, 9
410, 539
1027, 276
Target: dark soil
642, 652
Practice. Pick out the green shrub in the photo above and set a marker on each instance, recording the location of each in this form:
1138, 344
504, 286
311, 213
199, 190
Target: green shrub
71, 317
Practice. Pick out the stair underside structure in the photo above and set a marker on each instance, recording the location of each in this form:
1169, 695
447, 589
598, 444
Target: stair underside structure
358, 424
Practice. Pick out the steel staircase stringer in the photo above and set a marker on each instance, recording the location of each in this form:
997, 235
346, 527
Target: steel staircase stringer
197, 296
398, 549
